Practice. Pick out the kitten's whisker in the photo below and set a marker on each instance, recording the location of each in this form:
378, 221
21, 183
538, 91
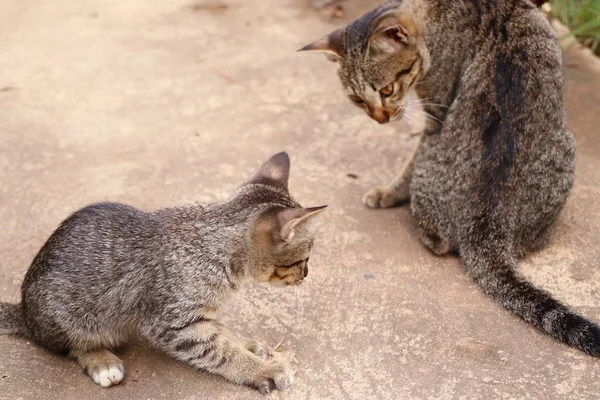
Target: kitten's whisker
299, 303
279, 344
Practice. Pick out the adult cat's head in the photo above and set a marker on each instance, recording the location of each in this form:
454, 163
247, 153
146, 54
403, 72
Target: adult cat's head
381, 55
282, 234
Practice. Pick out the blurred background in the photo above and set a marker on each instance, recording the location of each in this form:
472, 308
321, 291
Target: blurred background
582, 17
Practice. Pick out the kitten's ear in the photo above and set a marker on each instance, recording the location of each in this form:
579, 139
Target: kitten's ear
332, 45
275, 172
280, 224
291, 218
390, 35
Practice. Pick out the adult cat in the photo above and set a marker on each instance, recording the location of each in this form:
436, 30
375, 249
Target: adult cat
495, 162
111, 273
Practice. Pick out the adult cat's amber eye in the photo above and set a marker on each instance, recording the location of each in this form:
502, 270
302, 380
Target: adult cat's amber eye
387, 91
356, 99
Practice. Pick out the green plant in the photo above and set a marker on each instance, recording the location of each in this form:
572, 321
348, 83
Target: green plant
582, 17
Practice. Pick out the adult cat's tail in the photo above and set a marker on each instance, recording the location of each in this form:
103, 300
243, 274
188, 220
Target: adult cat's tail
11, 319
495, 272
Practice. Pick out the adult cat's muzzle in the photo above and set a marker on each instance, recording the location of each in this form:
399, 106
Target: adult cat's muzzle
380, 115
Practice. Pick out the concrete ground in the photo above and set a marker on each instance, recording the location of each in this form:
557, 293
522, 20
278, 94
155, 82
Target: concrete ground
163, 102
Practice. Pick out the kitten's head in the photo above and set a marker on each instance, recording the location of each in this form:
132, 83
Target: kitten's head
282, 235
379, 60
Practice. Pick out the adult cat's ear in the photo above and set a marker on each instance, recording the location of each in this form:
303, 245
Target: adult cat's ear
275, 172
390, 35
332, 45
292, 218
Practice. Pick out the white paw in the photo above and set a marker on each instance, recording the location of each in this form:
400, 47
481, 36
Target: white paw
259, 349
389, 196
284, 381
109, 375
278, 374
380, 198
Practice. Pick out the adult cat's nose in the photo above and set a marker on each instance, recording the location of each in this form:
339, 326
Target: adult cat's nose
380, 115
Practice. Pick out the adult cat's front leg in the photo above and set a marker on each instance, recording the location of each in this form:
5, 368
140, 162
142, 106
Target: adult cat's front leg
397, 191
209, 346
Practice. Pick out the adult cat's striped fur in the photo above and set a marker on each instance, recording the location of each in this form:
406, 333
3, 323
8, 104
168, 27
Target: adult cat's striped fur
495, 163
111, 273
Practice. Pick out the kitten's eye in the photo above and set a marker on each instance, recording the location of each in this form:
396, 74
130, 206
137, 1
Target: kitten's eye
387, 91
293, 264
356, 99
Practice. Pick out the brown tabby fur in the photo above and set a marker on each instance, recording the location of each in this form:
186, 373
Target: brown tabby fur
112, 273
495, 163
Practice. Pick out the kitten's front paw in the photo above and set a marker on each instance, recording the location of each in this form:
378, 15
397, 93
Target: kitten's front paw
383, 197
278, 373
261, 350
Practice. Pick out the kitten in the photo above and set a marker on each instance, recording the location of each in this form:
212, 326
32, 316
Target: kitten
111, 273
495, 162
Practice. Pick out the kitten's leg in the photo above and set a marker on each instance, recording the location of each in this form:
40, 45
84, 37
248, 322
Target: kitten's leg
258, 348
209, 346
101, 365
396, 191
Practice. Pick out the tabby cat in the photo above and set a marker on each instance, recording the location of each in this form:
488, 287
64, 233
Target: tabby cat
495, 162
112, 273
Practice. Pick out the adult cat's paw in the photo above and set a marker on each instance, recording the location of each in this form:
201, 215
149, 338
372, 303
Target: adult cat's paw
261, 350
278, 373
105, 368
385, 197
107, 375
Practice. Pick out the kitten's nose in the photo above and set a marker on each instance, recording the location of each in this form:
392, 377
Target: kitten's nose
380, 115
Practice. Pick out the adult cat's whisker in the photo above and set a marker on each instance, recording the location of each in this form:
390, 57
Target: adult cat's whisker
420, 103
427, 115
419, 99
432, 104
409, 115
423, 99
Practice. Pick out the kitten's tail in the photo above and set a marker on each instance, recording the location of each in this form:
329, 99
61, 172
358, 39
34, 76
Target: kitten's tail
11, 319
496, 273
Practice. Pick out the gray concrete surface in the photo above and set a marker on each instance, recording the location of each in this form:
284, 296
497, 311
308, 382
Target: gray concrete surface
163, 102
